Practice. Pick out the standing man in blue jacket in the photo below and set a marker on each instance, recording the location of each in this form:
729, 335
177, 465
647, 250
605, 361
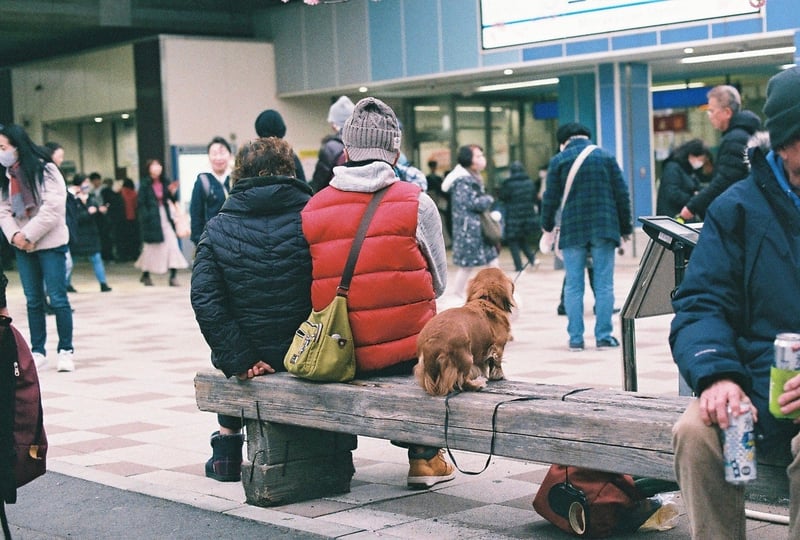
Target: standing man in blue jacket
595, 216
742, 288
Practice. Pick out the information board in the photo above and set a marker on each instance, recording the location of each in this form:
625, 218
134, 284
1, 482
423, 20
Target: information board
511, 22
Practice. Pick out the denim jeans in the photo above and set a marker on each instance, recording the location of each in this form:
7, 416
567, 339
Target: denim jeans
602, 252
715, 507
47, 267
97, 265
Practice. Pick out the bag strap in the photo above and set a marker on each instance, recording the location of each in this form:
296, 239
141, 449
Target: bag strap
352, 257
494, 429
206, 181
573, 171
4, 521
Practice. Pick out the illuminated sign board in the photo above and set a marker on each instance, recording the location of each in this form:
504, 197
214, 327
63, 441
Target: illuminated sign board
506, 23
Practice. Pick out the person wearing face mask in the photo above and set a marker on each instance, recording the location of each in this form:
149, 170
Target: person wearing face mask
33, 219
468, 198
210, 189
679, 181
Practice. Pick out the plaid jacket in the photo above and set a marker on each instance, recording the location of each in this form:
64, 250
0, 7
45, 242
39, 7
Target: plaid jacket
598, 206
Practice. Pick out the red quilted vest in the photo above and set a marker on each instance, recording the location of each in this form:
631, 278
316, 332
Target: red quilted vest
391, 295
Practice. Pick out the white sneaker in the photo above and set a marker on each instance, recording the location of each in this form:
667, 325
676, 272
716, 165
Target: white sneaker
65, 362
39, 360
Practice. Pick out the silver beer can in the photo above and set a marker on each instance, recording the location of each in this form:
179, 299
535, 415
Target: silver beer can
787, 351
739, 447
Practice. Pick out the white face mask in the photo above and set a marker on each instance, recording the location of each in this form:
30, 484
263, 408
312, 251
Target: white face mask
8, 157
696, 163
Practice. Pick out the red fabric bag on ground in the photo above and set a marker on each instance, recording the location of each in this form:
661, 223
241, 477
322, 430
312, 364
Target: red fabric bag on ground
588, 503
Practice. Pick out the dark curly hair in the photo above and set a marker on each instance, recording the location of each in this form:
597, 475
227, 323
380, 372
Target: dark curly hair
267, 156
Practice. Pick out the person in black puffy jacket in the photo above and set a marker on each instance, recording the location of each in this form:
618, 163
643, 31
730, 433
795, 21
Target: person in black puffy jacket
725, 114
251, 280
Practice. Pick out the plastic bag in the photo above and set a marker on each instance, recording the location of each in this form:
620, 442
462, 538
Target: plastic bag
666, 517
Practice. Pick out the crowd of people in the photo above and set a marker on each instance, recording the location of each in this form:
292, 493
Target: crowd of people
265, 256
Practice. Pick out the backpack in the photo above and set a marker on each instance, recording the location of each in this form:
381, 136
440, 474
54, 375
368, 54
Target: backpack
23, 442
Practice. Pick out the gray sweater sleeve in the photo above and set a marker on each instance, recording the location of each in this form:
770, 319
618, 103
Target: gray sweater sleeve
431, 241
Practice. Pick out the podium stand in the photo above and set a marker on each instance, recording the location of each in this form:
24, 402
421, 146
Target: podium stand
658, 276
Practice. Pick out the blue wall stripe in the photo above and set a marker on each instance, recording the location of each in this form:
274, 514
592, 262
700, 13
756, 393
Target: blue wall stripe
385, 40
736, 28
606, 136
783, 15
501, 57
422, 37
587, 47
538, 53
647, 39
460, 33
682, 35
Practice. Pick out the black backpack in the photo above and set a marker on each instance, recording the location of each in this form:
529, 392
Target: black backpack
23, 442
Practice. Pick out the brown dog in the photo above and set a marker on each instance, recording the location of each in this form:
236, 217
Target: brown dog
462, 347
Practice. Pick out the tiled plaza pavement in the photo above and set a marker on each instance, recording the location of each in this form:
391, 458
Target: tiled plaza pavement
127, 416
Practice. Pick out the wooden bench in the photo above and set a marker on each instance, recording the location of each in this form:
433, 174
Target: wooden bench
300, 434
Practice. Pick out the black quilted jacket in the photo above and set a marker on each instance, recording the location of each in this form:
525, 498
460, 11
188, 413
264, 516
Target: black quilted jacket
251, 281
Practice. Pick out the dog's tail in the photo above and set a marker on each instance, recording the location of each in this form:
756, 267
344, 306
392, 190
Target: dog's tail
439, 377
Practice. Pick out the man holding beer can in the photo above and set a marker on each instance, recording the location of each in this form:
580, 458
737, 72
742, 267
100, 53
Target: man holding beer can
740, 291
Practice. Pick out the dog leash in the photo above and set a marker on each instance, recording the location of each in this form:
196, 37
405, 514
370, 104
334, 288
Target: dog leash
527, 264
494, 429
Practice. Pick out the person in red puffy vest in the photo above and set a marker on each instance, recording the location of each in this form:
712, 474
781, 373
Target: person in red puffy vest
402, 266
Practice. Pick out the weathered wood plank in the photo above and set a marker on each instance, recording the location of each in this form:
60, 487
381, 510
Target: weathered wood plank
603, 429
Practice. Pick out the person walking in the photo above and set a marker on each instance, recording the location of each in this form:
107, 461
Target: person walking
595, 215
161, 252
518, 193
33, 219
331, 152
679, 181
128, 240
737, 125
210, 189
84, 238
402, 265
740, 290
468, 199
265, 283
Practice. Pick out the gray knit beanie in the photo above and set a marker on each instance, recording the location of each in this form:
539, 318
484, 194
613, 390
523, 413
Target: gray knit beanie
372, 132
340, 111
782, 107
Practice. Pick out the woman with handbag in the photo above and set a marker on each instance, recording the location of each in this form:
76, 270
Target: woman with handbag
468, 199
251, 280
161, 251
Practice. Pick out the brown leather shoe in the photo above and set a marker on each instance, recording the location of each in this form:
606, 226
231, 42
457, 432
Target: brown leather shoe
146, 281
426, 473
